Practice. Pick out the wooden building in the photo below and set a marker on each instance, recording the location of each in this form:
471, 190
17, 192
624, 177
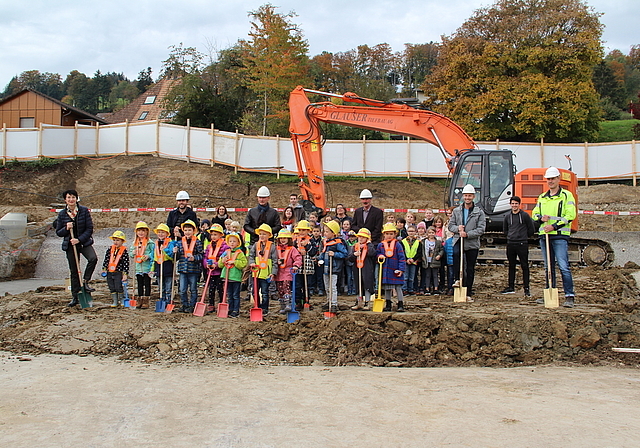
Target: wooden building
30, 108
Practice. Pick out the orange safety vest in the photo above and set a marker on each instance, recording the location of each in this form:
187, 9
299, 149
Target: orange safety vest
114, 257
389, 248
262, 259
188, 248
140, 248
283, 256
159, 249
363, 254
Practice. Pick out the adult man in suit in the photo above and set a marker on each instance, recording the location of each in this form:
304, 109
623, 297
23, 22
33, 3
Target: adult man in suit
368, 217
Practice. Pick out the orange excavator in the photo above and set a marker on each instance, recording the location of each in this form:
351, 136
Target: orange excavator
491, 172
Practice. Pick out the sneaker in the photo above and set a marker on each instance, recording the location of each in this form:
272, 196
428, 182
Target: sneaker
470, 299
234, 315
508, 291
568, 302
540, 301
527, 293
456, 284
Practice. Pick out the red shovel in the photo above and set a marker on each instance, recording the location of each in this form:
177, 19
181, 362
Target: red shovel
223, 307
201, 308
170, 306
255, 314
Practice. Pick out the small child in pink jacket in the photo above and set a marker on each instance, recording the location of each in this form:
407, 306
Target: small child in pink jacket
289, 261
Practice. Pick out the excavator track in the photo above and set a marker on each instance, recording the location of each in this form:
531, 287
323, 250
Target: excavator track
582, 251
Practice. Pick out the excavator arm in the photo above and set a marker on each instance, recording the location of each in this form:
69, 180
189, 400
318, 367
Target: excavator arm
370, 114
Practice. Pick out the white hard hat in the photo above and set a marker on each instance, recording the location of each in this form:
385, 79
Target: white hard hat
551, 172
365, 194
263, 192
468, 189
182, 195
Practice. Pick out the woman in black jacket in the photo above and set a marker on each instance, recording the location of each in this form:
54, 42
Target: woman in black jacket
78, 218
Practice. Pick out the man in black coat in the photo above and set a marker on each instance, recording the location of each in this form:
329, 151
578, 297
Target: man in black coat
518, 226
181, 214
77, 219
368, 217
262, 214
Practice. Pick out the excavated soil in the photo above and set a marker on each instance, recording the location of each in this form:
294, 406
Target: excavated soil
496, 330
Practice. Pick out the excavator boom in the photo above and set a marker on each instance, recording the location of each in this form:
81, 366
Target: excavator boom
370, 114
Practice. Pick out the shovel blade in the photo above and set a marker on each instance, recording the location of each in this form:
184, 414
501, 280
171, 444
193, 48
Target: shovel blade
551, 298
200, 309
133, 303
125, 303
460, 294
306, 307
169, 308
255, 315
161, 305
293, 316
85, 299
378, 305
327, 315
223, 310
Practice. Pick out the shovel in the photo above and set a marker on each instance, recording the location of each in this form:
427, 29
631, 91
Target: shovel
201, 308
170, 306
223, 307
125, 287
255, 313
329, 313
378, 302
84, 297
550, 294
293, 315
133, 303
307, 305
161, 305
460, 292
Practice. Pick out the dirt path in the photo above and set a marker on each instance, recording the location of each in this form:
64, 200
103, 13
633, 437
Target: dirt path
73, 401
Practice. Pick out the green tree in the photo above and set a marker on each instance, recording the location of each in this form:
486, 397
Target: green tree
276, 62
122, 94
181, 61
43, 82
522, 70
144, 80
79, 92
217, 95
416, 62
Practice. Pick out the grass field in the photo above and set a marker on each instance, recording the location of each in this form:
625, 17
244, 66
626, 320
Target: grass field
616, 131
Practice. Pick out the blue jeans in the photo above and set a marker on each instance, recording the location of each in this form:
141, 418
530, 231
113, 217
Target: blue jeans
167, 283
263, 287
190, 282
233, 297
409, 277
351, 288
559, 248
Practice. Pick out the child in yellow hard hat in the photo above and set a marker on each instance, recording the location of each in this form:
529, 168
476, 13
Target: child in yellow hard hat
212, 254
390, 251
289, 262
142, 253
263, 259
233, 261
363, 257
308, 250
116, 266
188, 250
331, 259
163, 260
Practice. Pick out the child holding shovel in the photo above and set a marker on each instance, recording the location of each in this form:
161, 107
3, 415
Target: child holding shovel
116, 265
163, 260
331, 259
390, 250
263, 256
308, 251
212, 254
232, 262
142, 252
289, 260
363, 256
188, 250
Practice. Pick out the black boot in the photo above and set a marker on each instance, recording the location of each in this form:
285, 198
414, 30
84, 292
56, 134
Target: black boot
87, 287
387, 305
400, 306
74, 301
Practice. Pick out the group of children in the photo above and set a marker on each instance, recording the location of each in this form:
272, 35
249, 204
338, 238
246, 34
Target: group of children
292, 266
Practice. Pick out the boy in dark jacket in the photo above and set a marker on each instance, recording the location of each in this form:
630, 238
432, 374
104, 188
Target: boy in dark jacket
331, 259
188, 251
363, 258
391, 252
518, 226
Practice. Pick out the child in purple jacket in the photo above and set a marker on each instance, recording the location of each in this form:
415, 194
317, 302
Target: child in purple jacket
391, 252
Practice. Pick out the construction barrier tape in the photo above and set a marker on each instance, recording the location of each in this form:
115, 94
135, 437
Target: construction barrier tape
386, 210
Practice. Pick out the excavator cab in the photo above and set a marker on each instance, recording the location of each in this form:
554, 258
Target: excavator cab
492, 175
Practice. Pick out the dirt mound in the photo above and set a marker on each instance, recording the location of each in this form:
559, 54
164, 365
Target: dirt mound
497, 330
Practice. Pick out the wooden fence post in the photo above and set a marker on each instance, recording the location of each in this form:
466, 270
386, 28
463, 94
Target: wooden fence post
213, 147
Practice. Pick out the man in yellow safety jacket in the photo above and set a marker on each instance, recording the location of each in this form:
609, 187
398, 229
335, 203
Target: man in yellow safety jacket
553, 213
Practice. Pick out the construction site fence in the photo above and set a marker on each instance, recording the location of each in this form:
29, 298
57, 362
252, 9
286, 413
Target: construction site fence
364, 158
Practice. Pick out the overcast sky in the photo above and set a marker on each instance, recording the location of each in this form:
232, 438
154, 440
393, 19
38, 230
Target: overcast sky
128, 36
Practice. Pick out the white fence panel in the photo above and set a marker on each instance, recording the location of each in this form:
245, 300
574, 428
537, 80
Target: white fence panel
386, 158
142, 138
113, 141
225, 147
173, 141
57, 141
200, 143
22, 144
257, 153
609, 160
86, 141
426, 160
343, 157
